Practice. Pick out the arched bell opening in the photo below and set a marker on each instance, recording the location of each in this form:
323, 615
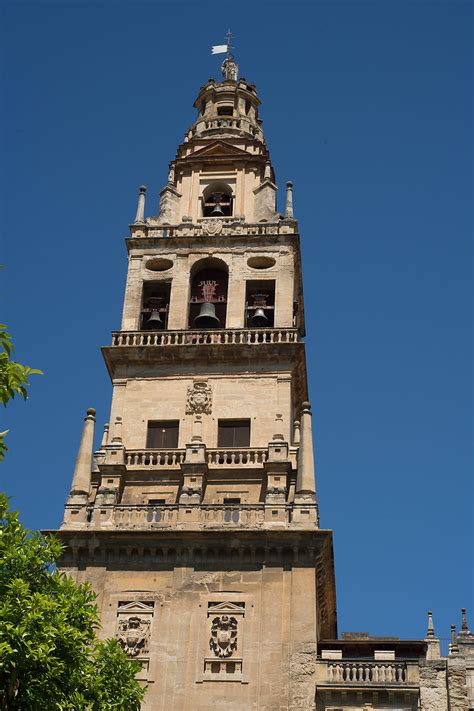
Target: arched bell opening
208, 298
217, 200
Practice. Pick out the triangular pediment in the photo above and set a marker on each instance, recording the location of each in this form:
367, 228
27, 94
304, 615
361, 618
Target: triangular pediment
228, 607
136, 607
220, 148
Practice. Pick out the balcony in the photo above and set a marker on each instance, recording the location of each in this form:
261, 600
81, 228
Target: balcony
250, 336
351, 673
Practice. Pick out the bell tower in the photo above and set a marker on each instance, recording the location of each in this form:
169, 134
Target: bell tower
196, 520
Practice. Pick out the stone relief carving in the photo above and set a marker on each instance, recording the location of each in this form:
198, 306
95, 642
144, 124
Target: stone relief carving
212, 227
199, 399
134, 626
223, 641
133, 635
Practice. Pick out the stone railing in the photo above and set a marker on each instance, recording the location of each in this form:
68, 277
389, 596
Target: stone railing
154, 458
347, 672
247, 336
173, 458
203, 516
236, 457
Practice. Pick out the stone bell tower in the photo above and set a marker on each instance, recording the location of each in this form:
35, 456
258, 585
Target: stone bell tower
196, 521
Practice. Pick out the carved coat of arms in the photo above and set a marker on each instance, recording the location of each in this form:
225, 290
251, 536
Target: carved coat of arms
199, 399
223, 636
212, 226
133, 634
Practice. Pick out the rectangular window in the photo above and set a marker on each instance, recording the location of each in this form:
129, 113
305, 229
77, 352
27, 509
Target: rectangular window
231, 501
233, 433
162, 435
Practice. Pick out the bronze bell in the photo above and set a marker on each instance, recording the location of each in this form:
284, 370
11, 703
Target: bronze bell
217, 210
206, 317
259, 319
155, 321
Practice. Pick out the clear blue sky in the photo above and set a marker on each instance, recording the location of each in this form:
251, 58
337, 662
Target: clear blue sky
366, 107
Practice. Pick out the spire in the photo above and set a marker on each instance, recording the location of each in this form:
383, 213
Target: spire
82, 471
305, 483
289, 199
140, 216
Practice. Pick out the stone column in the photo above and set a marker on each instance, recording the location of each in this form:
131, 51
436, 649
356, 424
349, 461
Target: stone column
82, 472
140, 216
289, 199
305, 484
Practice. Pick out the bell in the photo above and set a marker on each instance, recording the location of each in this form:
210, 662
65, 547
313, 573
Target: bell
207, 318
155, 320
259, 319
217, 210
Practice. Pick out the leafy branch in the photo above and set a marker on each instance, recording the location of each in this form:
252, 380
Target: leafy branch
14, 378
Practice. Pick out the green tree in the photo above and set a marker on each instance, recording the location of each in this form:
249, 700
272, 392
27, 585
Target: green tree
50, 657
13, 377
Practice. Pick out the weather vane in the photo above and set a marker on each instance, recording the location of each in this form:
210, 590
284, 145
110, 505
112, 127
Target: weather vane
229, 68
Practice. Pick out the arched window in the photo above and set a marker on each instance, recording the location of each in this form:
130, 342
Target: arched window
208, 298
217, 201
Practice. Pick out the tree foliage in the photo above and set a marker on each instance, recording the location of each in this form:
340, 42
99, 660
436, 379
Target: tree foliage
13, 377
50, 657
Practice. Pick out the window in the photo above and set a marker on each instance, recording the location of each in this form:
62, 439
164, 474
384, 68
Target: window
225, 110
233, 433
231, 501
162, 435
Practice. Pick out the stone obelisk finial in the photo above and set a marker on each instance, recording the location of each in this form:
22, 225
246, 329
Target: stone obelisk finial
305, 483
453, 647
433, 650
105, 437
289, 199
82, 471
140, 216
430, 632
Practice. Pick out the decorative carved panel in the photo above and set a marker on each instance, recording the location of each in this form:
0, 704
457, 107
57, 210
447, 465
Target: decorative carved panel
223, 640
199, 399
134, 629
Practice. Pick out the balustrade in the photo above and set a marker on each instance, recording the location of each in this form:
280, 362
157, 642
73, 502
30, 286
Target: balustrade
154, 458
366, 672
247, 336
236, 457
204, 516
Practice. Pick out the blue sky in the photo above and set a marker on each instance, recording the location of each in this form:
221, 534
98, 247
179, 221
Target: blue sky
366, 107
